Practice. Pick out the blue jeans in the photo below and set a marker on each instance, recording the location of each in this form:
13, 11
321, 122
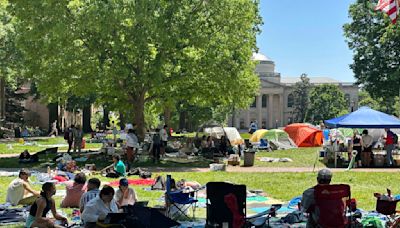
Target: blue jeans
389, 157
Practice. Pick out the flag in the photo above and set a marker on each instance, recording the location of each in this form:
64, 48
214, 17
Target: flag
390, 7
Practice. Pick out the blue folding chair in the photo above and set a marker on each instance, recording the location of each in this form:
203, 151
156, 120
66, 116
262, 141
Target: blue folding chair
178, 202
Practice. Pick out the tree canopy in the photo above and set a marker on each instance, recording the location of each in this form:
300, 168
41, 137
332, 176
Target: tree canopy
326, 102
134, 52
301, 99
376, 46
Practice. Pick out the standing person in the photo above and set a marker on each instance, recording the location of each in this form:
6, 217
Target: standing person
78, 137
131, 144
54, 129
308, 200
40, 208
92, 192
125, 195
69, 136
357, 146
98, 208
252, 127
164, 139
367, 141
389, 144
19, 190
156, 146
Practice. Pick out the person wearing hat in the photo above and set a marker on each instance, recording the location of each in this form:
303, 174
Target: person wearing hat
125, 195
308, 201
19, 190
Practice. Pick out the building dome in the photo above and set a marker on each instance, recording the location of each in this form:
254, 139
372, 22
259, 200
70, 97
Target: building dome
260, 57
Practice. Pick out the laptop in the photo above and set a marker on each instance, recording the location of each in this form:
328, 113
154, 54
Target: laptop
115, 218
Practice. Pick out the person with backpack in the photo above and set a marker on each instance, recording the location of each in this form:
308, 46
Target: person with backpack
391, 140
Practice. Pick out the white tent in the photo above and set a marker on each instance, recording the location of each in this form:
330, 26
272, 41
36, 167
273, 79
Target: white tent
231, 133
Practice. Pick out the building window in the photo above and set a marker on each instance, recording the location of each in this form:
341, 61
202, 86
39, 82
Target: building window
264, 101
254, 105
347, 99
264, 124
242, 124
290, 101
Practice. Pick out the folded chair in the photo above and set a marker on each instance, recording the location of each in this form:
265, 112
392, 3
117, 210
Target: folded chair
178, 202
332, 202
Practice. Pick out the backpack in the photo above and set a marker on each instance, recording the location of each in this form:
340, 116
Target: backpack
395, 138
66, 134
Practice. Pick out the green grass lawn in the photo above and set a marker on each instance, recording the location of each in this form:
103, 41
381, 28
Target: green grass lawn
39, 144
282, 186
302, 157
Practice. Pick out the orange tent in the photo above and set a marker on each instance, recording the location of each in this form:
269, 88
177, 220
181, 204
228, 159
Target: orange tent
304, 135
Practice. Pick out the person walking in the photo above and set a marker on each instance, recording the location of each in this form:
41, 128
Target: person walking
54, 130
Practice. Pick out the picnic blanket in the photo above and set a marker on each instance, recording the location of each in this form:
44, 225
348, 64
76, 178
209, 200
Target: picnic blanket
134, 182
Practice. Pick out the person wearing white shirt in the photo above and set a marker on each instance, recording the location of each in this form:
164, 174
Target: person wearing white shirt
366, 155
20, 192
98, 208
164, 139
131, 143
125, 195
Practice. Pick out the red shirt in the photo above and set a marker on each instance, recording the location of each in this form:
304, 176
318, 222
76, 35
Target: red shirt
389, 138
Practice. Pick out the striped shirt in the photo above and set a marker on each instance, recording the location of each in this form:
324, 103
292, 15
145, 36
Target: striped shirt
87, 196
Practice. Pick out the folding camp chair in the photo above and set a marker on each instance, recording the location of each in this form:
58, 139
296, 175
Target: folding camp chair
332, 202
178, 202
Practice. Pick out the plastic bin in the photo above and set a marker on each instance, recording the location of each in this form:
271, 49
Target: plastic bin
249, 157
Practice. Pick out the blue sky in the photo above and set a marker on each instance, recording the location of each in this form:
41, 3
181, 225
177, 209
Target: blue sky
306, 37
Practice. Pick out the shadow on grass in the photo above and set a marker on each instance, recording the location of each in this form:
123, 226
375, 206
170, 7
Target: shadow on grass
101, 161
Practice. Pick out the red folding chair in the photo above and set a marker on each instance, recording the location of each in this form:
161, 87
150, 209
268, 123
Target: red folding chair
332, 202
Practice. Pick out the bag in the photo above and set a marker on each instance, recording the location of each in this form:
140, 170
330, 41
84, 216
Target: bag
395, 138
145, 174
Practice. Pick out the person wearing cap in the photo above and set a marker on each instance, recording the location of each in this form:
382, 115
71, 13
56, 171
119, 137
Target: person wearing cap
125, 195
308, 201
19, 190
92, 192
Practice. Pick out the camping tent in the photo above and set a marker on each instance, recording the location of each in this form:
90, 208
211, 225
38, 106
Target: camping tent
364, 117
279, 138
230, 132
304, 135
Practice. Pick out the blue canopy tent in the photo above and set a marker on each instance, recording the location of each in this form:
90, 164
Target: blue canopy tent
364, 117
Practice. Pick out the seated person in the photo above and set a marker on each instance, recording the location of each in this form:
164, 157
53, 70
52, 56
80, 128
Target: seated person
210, 142
223, 146
308, 201
19, 190
40, 208
75, 190
92, 192
125, 195
203, 142
98, 208
117, 169
24, 157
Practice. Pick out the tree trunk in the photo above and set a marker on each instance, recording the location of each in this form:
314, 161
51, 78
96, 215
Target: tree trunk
2, 98
87, 116
106, 119
167, 116
121, 121
182, 120
138, 106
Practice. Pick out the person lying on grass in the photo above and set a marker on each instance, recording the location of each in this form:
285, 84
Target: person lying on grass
40, 208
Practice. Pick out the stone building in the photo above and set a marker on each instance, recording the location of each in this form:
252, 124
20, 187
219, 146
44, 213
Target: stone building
273, 107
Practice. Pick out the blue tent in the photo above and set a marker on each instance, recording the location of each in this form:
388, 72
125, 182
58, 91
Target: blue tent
364, 117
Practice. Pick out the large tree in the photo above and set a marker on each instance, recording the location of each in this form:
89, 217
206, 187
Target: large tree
326, 102
301, 99
376, 46
133, 52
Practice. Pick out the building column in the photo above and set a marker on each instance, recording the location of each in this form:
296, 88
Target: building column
282, 108
259, 111
270, 110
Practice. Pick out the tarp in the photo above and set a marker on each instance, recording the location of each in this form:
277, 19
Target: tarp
278, 139
364, 117
304, 135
